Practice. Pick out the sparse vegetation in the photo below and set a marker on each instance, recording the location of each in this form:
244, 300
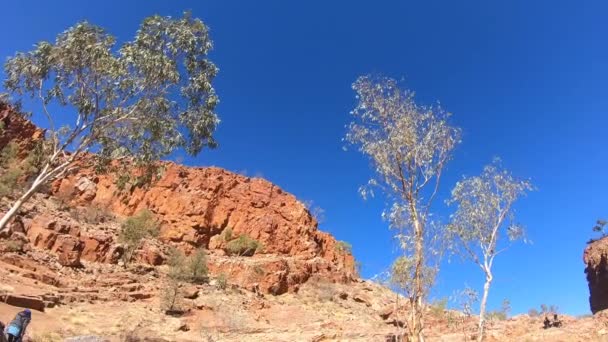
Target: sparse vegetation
171, 297
191, 269
548, 309
243, 246
13, 246
315, 211
439, 307
600, 226
222, 281
134, 230
227, 234
344, 247
15, 170
197, 267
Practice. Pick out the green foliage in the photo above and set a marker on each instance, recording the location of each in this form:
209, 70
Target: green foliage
227, 234
189, 269
135, 229
222, 281
197, 267
344, 247
14, 171
14, 246
402, 274
503, 313
243, 246
439, 307
142, 100
171, 297
600, 226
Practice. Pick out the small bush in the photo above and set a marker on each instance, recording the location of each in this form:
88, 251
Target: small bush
227, 234
14, 246
190, 269
222, 281
497, 316
344, 247
439, 307
243, 246
135, 229
533, 312
197, 267
171, 297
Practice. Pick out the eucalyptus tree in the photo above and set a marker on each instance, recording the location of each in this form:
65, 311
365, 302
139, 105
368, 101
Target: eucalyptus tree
408, 145
141, 100
485, 213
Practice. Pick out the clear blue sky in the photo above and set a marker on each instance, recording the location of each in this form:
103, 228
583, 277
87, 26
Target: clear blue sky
526, 80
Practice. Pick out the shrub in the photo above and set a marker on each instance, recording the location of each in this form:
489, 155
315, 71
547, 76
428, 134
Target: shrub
197, 267
227, 234
533, 312
135, 229
191, 269
438, 307
171, 299
222, 281
344, 247
14, 246
243, 246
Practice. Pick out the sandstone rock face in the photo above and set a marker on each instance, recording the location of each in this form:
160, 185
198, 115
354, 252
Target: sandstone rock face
16, 128
596, 259
194, 206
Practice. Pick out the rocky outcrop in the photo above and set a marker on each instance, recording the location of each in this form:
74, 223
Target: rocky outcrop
196, 208
15, 127
596, 259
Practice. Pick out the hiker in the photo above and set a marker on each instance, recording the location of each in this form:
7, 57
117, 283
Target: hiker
16, 328
556, 322
547, 323
2, 339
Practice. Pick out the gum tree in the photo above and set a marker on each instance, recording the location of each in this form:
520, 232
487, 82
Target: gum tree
408, 145
485, 213
141, 101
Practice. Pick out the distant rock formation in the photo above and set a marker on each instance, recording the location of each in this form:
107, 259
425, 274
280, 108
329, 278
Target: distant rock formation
596, 259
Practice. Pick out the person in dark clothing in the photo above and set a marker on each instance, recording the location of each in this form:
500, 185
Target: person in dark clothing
16, 328
2, 339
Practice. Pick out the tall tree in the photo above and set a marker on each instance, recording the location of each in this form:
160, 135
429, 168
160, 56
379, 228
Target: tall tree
143, 100
484, 213
408, 145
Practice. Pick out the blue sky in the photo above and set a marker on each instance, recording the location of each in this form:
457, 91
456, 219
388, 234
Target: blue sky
526, 80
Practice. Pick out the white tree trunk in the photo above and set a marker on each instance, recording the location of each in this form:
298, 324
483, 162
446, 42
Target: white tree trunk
17, 205
482, 307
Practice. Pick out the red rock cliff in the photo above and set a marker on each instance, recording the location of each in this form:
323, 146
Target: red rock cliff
194, 205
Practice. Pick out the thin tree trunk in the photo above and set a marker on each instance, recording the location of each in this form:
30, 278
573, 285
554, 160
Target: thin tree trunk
17, 205
418, 284
482, 308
